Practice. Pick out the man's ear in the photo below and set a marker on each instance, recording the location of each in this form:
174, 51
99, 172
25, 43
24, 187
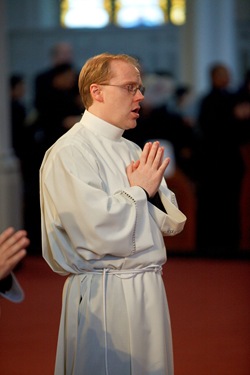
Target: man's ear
96, 92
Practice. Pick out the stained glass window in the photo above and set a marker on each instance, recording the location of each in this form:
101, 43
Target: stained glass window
123, 13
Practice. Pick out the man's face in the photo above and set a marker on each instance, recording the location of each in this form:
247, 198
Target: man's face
121, 100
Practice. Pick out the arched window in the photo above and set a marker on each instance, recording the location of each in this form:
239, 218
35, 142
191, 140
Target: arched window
123, 13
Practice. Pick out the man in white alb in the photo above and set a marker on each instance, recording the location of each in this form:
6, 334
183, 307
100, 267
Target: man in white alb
105, 208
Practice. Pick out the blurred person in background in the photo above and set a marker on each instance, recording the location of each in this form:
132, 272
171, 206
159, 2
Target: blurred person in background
220, 168
60, 53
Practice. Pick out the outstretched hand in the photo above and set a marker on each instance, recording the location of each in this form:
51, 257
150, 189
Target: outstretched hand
148, 171
12, 249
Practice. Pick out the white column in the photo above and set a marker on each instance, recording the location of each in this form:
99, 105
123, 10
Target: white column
208, 36
10, 177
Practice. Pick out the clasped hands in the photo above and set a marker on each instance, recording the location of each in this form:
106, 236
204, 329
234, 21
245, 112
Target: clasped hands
148, 171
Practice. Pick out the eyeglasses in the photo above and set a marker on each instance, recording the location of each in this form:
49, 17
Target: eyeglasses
132, 89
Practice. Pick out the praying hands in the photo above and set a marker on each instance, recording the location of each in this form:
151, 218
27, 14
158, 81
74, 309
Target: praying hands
148, 171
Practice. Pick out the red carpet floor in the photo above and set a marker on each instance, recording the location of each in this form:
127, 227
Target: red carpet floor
209, 303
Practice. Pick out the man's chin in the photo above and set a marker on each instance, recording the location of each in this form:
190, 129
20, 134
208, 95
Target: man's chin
132, 125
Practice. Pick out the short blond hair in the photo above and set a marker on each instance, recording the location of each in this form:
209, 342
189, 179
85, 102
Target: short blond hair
97, 70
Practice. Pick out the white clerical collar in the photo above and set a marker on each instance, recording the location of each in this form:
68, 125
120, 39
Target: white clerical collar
100, 127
